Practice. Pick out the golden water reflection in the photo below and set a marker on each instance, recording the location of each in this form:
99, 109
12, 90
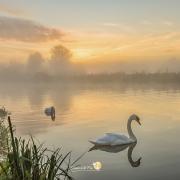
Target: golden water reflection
84, 112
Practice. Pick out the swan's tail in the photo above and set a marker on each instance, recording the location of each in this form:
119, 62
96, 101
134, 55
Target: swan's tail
93, 142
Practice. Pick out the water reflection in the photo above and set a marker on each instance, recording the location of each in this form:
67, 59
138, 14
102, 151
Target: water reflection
28, 101
119, 148
80, 102
86, 111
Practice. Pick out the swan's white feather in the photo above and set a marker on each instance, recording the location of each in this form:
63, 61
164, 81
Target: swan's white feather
112, 139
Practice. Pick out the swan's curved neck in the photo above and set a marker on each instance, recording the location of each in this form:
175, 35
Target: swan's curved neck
131, 134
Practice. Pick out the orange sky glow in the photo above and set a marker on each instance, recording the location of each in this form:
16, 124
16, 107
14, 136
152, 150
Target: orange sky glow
115, 36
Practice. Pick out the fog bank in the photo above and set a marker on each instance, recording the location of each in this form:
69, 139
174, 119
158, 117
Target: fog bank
60, 65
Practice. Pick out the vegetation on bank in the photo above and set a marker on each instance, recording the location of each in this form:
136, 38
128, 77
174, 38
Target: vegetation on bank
139, 77
3, 140
25, 160
120, 77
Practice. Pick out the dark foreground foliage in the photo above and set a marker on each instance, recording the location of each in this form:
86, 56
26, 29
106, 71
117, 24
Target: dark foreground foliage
24, 160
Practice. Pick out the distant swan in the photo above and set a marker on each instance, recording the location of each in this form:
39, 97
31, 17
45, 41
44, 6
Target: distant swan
50, 111
112, 139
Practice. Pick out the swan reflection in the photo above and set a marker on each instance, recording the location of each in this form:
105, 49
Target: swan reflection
119, 148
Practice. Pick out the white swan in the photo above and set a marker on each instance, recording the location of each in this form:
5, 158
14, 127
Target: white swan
112, 139
50, 111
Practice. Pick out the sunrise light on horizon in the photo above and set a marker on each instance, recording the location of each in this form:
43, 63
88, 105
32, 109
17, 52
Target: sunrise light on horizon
95, 32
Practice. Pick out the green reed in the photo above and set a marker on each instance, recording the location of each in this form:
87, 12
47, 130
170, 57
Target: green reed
25, 160
4, 135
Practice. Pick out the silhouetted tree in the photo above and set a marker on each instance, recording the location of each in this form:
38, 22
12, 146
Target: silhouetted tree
60, 53
35, 63
60, 60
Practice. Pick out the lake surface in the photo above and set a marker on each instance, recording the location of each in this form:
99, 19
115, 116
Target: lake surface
84, 112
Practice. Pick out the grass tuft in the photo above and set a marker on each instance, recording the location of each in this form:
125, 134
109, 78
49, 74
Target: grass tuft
25, 160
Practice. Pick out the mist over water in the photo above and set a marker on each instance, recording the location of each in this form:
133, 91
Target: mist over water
86, 111
37, 67
60, 65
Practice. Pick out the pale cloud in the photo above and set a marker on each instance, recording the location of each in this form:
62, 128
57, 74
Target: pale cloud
154, 44
168, 23
147, 23
11, 11
160, 23
19, 29
111, 24
119, 26
107, 45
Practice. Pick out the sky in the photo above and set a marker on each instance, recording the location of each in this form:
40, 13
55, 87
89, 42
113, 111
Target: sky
96, 31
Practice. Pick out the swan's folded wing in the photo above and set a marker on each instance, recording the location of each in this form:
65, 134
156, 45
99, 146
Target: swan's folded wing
104, 140
118, 138
111, 139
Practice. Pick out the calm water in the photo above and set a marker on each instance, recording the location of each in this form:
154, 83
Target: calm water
85, 112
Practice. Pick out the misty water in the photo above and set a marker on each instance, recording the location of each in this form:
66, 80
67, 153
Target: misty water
84, 112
